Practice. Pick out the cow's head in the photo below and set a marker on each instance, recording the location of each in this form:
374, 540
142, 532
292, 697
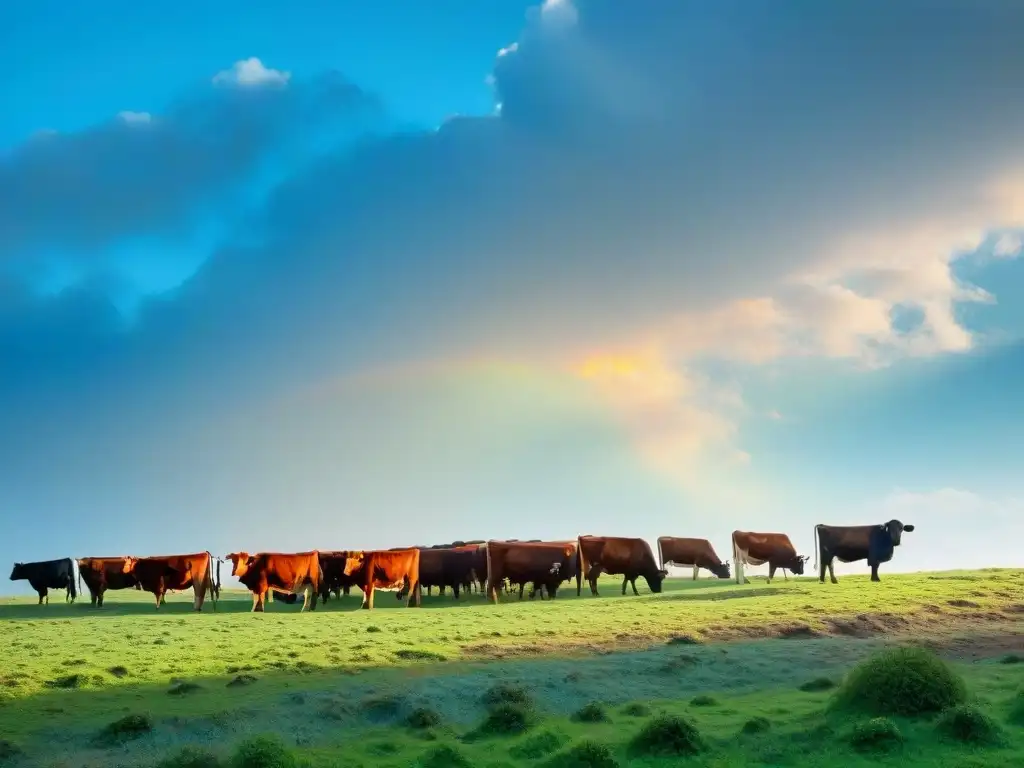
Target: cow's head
721, 570
19, 572
129, 564
354, 562
655, 579
240, 562
796, 565
896, 530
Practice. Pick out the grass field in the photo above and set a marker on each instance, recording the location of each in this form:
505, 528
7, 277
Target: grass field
753, 668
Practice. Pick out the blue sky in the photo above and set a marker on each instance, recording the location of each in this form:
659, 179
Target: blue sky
360, 275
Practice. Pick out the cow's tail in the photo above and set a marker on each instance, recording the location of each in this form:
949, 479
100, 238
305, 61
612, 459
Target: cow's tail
71, 582
661, 557
80, 579
817, 548
208, 578
490, 573
218, 575
581, 566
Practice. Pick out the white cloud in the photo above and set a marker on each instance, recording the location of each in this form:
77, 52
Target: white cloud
559, 13
251, 72
1008, 246
135, 118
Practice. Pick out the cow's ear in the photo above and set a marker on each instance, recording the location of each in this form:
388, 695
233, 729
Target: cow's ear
908, 528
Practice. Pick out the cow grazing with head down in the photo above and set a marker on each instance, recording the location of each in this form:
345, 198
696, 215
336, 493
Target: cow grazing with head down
164, 573
759, 548
629, 558
274, 571
104, 573
46, 575
543, 564
874, 543
695, 553
375, 569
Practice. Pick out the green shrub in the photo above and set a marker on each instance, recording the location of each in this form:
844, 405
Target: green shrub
967, 723
504, 693
190, 757
667, 736
423, 717
817, 685
586, 754
263, 752
636, 709
505, 720
703, 700
1012, 658
904, 681
538, 746
124, 729
594, 712
444, 756
386, 707
757, 724
879, 734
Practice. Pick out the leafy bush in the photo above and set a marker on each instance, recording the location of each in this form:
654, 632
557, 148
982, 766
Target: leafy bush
1012, 658
444, 756
636, 709
506, 719
504, 693
594, 712
667, 736
190, 757
703, 700
879, 734
969, 724
586, 754
817, 684
904, 681
757, 724
537, 746
124, 729
423, 717
263, 752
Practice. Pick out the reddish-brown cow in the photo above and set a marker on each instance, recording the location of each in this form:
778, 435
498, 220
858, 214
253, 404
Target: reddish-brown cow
103, 573
375, 569
542, 563
759, 548
161, 574
266, 571
629, 558
695, 553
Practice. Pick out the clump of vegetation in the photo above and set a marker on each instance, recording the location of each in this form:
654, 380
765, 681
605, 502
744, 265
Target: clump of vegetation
504, 693
817, 685
682, 640
586, 754
905, 681
757, 724
385, 707
969, 724
9, 750
374, 628
124, 729
667, 736
415, 654
505, 720
190, 757
636, 709
703, 700
879, 734
594, 712
240, 680
1011, 658
118, 671
423, 717
67, 681
263, 752
183, 688
538, 746
444, 756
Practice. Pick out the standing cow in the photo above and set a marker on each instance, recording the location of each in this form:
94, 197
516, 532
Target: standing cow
695, 553
874, 543
543, 564
162, 574
759, 548
377, 569
46, 575
629, 558
268, 572
104, 573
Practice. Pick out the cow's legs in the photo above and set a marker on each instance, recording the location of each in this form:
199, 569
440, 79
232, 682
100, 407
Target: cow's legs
99, 598
455, 591
832, 572
771, 572
368, 597
696, 570
874, 571
522, 588
592, 577
632, 583
416, 595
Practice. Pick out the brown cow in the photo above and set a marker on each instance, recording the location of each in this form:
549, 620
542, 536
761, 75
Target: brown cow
695, 553
103, 573
161, 574
542, 563
629, 558
290, 573
759, 548
376, 569
447, 567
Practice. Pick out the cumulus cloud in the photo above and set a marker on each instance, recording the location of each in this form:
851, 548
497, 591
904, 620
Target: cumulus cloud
135, 118
669, 185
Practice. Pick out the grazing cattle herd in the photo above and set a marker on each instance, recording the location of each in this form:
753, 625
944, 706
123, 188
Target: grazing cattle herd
493, 566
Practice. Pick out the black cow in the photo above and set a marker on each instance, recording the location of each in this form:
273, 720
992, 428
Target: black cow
47, 575
874, 543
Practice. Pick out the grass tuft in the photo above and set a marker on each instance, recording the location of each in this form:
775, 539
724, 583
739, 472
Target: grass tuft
190, 757
263, 752
443, 756
879, 734
505, 693
703, 700
416, 654
906, 681
184, 688
757, 724
1012, 658
636, 709
386, 707
969, 724
9, 750
594, 712
125, 729
505, 720
239, 680
667, 736
539, 745
585, 754
423, 717
817, 685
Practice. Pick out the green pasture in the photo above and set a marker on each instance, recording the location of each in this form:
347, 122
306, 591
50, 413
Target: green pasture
403, 686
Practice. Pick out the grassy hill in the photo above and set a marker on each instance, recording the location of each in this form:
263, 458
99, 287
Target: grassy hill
340, 685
